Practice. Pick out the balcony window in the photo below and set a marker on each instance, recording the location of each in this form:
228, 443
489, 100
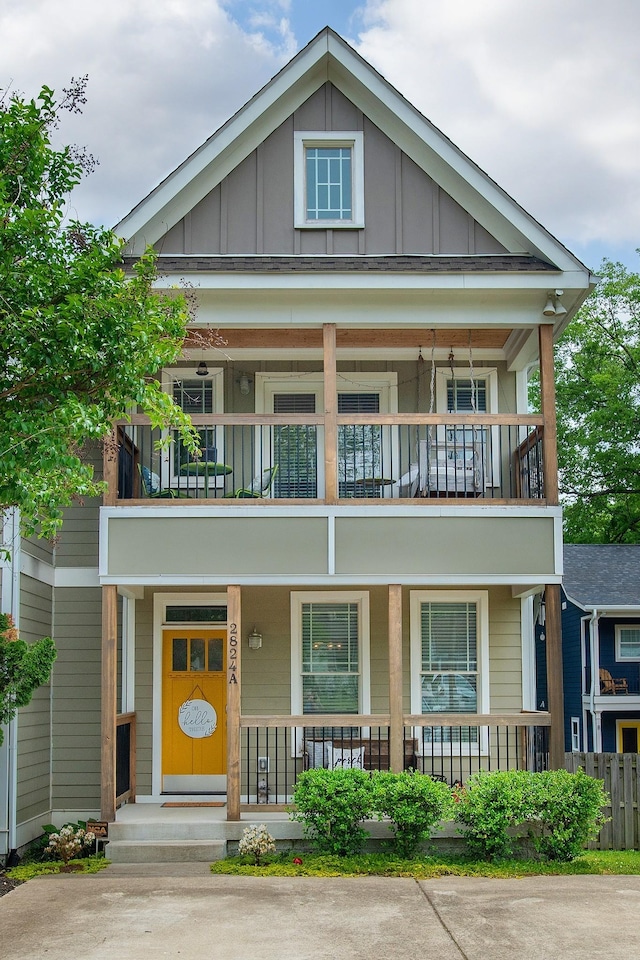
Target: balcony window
627, 641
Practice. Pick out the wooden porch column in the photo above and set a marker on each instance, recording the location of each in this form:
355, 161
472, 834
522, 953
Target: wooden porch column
330, 413
108, 696
234, 634
548, 403
553, 633
396, 729
110, 469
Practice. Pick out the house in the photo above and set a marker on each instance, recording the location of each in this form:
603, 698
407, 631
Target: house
601, 648
346, 575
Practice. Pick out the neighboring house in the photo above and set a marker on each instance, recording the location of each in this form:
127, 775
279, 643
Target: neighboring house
601, 648
347, 574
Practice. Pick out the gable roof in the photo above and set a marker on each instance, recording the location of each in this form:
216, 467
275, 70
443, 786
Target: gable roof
602, 575
328, 58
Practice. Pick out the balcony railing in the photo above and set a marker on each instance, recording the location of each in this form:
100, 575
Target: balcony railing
283, 457
448, 747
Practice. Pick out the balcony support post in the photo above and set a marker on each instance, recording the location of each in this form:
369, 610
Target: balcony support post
396, 715
234, 634
110, 468
548, 403
330, 412
108, 702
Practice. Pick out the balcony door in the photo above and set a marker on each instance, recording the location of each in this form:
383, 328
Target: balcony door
298, 450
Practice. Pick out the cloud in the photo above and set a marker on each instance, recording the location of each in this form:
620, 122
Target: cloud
545, 97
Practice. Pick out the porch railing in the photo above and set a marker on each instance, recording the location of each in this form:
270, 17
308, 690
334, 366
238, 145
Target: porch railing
282, 457
275, 750
125, 758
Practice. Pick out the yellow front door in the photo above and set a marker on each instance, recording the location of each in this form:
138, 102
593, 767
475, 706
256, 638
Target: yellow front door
194, 755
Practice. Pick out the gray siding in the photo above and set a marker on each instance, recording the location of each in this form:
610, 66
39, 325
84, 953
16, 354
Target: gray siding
34, 728
251, 210
76, 699
77, 545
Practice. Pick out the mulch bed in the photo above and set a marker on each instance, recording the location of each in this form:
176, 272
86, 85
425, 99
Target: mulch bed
7, 885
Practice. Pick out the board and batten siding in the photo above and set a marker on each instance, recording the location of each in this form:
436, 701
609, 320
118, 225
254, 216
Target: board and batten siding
76, 700
251, 210
34, 727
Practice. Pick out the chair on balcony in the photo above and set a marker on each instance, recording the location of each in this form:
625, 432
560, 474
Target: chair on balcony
259, 488
611, 685
150, 483
443, 470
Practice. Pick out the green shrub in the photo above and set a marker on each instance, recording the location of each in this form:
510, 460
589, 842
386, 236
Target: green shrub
562, 811
414, 803
568, 811
488, 806
331, 804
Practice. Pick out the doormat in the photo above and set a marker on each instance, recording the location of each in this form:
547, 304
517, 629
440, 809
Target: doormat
196, 803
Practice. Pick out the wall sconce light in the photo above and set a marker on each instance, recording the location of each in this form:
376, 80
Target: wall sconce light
254, 640
244, 384
202, 369
549, 309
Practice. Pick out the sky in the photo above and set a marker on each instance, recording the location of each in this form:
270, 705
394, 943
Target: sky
544, 96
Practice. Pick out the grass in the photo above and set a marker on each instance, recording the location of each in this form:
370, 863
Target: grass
423, 868
27, 871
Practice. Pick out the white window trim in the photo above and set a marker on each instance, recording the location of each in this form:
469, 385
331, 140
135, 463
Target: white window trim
575, 734
619, 627
268, 384
323, 138
169, 376
490, 374
481, 599
361, 597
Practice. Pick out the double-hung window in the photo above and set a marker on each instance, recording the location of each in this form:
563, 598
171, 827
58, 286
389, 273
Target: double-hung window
328, 179
197, 396
628, 641
329, 653
449, 660
475, 448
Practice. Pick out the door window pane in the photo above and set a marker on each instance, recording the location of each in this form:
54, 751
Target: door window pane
216, 654
196, 655
295, 448
179, 654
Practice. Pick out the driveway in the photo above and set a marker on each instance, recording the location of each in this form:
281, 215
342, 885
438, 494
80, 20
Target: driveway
177, 912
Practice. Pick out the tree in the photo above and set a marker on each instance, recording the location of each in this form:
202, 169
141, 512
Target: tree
598, 405
23, 667
80, 342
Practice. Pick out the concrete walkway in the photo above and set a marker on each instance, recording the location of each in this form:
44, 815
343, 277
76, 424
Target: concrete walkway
181, 910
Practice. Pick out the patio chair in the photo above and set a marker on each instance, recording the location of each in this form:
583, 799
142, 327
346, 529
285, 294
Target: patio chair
611, 685
150, 483
259, 488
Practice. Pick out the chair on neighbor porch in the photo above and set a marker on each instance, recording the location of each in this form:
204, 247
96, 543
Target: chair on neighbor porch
260, 487
611, 685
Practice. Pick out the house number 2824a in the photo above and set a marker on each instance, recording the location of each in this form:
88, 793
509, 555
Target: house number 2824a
233, 653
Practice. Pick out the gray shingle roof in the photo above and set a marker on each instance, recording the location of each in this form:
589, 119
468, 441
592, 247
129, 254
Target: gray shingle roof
602, 574
401, 263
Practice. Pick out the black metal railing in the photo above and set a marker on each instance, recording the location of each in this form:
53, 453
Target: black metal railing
386, 460
272, 757
125, 757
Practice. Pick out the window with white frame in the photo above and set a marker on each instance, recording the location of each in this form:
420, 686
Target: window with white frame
328, 179
449, 659
329, 652
575, 734
458, 391
628, 641
196, 395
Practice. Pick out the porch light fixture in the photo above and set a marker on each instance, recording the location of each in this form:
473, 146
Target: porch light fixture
254, 640
553, 307
549, 309
244, 384
202, 369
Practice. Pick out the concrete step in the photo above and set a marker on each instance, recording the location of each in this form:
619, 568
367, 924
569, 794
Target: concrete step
165, 851
189, 829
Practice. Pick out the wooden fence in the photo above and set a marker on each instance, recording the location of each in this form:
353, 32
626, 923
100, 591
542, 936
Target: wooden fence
621, 775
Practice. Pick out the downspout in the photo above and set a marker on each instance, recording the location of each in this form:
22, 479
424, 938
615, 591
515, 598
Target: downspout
11, 604
595, 678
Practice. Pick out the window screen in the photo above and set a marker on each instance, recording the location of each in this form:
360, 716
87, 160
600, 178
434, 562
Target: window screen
330, 658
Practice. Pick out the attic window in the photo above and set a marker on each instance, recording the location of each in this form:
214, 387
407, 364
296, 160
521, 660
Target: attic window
328, 180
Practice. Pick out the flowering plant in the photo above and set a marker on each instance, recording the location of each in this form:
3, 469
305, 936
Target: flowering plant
69, 841
256, 842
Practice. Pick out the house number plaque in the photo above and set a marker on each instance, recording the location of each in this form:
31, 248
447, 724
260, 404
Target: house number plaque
233, 653
197, 719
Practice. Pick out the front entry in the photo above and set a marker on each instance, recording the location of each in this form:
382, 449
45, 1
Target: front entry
194, 727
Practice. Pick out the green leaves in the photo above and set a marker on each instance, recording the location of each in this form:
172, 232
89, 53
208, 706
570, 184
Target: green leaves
80, 341
598, 405
23, 668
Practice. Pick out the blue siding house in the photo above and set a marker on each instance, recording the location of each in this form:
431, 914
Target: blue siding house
601, 648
